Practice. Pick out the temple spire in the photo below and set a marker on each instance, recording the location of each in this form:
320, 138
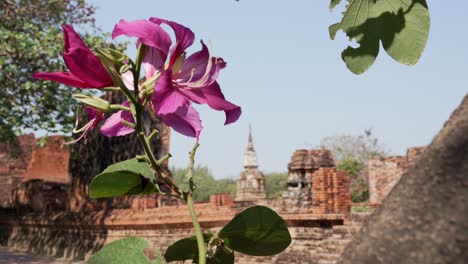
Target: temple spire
250, 146
250, 156
251, 183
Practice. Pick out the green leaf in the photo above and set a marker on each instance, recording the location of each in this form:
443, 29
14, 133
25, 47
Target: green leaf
134, 165
401, 25
184, 249
334, 3
124, 178
333, 29
129, 250
257, 231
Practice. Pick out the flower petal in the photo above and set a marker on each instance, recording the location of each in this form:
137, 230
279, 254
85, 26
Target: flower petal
94, 114
61, 77
149, 33
82, 63
184, 38
165, 97
113, 125
185, 120
197, 71
127, 78
194, 66
153, 62
213, 96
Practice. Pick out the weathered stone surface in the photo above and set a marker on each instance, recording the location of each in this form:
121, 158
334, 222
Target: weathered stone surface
424, 219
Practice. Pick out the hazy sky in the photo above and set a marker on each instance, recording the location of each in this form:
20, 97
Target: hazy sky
292, 85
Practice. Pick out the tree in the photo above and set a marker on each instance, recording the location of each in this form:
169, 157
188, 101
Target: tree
362, 147
205, 183
358, 175
275, 184
31, 37
351, 153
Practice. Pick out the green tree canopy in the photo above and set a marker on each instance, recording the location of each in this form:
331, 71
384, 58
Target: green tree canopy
275, 184
31, 37
205, 182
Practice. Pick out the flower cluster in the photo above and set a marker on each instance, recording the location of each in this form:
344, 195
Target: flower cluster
181, 80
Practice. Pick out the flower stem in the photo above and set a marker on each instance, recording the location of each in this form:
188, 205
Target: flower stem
193, 215
198, 231
154, 163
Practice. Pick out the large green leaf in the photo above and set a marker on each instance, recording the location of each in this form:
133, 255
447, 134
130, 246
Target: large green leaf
184, 249
257, 231
123, 178
401, 25
126, 251
187, 249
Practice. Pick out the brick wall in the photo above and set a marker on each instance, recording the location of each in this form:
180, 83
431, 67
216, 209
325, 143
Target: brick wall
49, 163
330, 191
315, 238
384, 173
14, 159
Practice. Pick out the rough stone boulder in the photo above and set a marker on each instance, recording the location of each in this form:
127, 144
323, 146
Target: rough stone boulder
424, 219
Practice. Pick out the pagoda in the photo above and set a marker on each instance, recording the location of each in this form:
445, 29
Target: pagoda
251, 183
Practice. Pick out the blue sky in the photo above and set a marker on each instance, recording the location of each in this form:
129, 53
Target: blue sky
294, 89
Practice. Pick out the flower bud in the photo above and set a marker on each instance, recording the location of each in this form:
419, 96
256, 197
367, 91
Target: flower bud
125, 68
92, 101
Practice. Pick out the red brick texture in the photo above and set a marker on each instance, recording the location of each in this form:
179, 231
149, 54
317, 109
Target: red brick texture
49, 163
330, 191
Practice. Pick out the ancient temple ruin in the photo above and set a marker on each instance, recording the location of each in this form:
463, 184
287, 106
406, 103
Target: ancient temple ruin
45, 200
300, 172
314, 185
251, 183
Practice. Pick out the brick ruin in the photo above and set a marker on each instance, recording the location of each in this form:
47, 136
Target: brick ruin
384, 173
313, 181
50, 212
32, 176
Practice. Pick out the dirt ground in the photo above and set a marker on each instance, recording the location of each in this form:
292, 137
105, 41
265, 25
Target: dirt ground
8, 256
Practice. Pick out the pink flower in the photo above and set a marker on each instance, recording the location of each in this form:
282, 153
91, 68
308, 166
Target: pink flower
94, 118
182, 80
86, 71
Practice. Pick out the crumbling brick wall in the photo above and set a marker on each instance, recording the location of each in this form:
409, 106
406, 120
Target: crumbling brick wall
384, 173
14, 159
49, 162
330, 191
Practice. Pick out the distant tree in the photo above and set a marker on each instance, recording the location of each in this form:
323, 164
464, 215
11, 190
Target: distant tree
31, 40
358, 178
361, 147
352, 153
275, 184
206, 184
